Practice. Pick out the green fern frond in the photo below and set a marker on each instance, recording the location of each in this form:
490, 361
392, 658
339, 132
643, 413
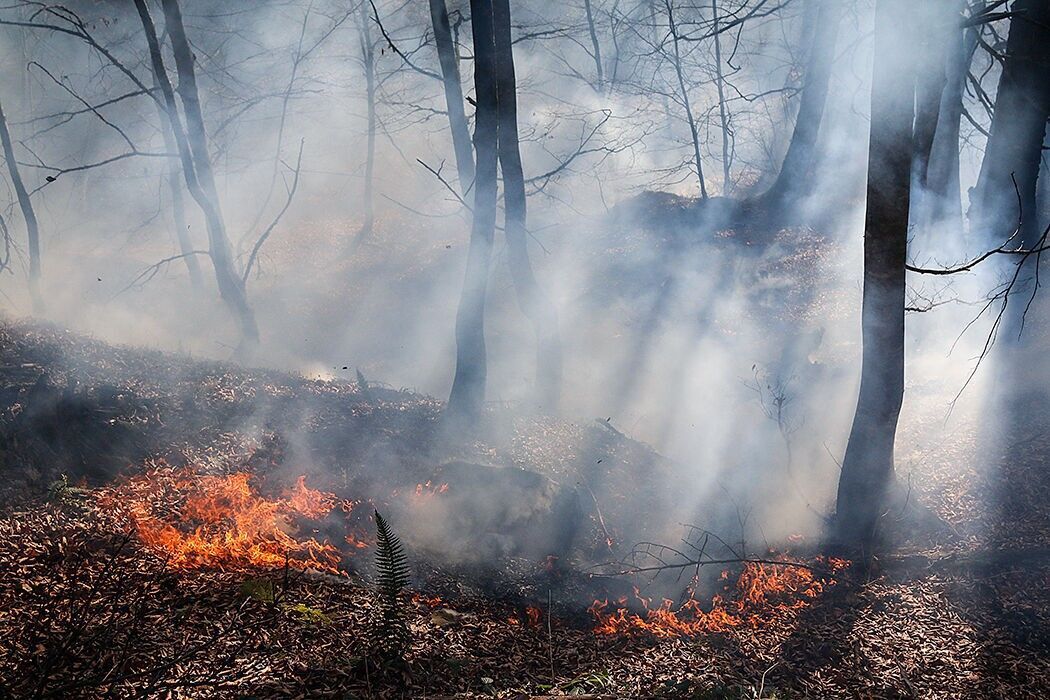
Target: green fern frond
390, 635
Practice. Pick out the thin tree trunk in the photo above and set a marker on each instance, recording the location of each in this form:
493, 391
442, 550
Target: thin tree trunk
942, 172
533, 302
457, 118
467, 397
596, 49
929, 90
368, 61
727, 184
28, 215
178, 205
796, 172
693, 131
867, 469
1022, 105
231, 288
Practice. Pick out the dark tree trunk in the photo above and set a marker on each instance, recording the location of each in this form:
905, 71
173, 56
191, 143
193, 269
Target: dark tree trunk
533, 302
1022, 105
468, 386
457, 118
28, 215
231, 287
796, 172
867, 469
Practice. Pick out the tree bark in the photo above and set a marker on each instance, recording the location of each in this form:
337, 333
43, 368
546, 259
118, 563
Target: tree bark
231, 288
28, 215
467, 397
796, 172
867, 469
450, 79
533, 302
1022, 105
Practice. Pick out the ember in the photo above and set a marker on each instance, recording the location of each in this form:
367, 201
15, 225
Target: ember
763, 590
202, 521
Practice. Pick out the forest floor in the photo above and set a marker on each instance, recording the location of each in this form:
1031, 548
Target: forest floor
92, 605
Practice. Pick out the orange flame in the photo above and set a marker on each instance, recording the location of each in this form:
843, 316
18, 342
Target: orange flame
200, 521
762, 591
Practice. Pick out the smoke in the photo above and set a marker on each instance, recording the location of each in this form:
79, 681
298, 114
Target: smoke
737, 357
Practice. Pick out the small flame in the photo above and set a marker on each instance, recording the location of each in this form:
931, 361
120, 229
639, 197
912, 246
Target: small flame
762, 591
427, 490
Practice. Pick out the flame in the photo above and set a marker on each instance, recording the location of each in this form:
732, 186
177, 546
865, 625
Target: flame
428, 489
763, 590
356, 542
201, 521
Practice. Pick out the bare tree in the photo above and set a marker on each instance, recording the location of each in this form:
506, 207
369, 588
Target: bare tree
28, 214
679, 70
196, 160
1022, 106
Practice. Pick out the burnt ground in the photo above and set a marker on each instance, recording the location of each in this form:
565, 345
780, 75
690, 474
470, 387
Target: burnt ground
87, 610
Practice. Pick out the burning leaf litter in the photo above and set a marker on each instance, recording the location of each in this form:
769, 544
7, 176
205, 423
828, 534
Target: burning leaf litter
197, 521
763, 592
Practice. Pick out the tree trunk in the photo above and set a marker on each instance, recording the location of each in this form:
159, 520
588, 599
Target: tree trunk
533, 302
867, 469
796, 175
943, 194
930, 82
28, 215
368, 61
468, 386
231, 288
178, 205
596, 48
457, 118
1022, 105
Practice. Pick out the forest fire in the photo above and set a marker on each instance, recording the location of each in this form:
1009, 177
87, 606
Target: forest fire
762, 592
203, 521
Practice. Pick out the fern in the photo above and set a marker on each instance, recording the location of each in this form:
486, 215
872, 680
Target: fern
390, 635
